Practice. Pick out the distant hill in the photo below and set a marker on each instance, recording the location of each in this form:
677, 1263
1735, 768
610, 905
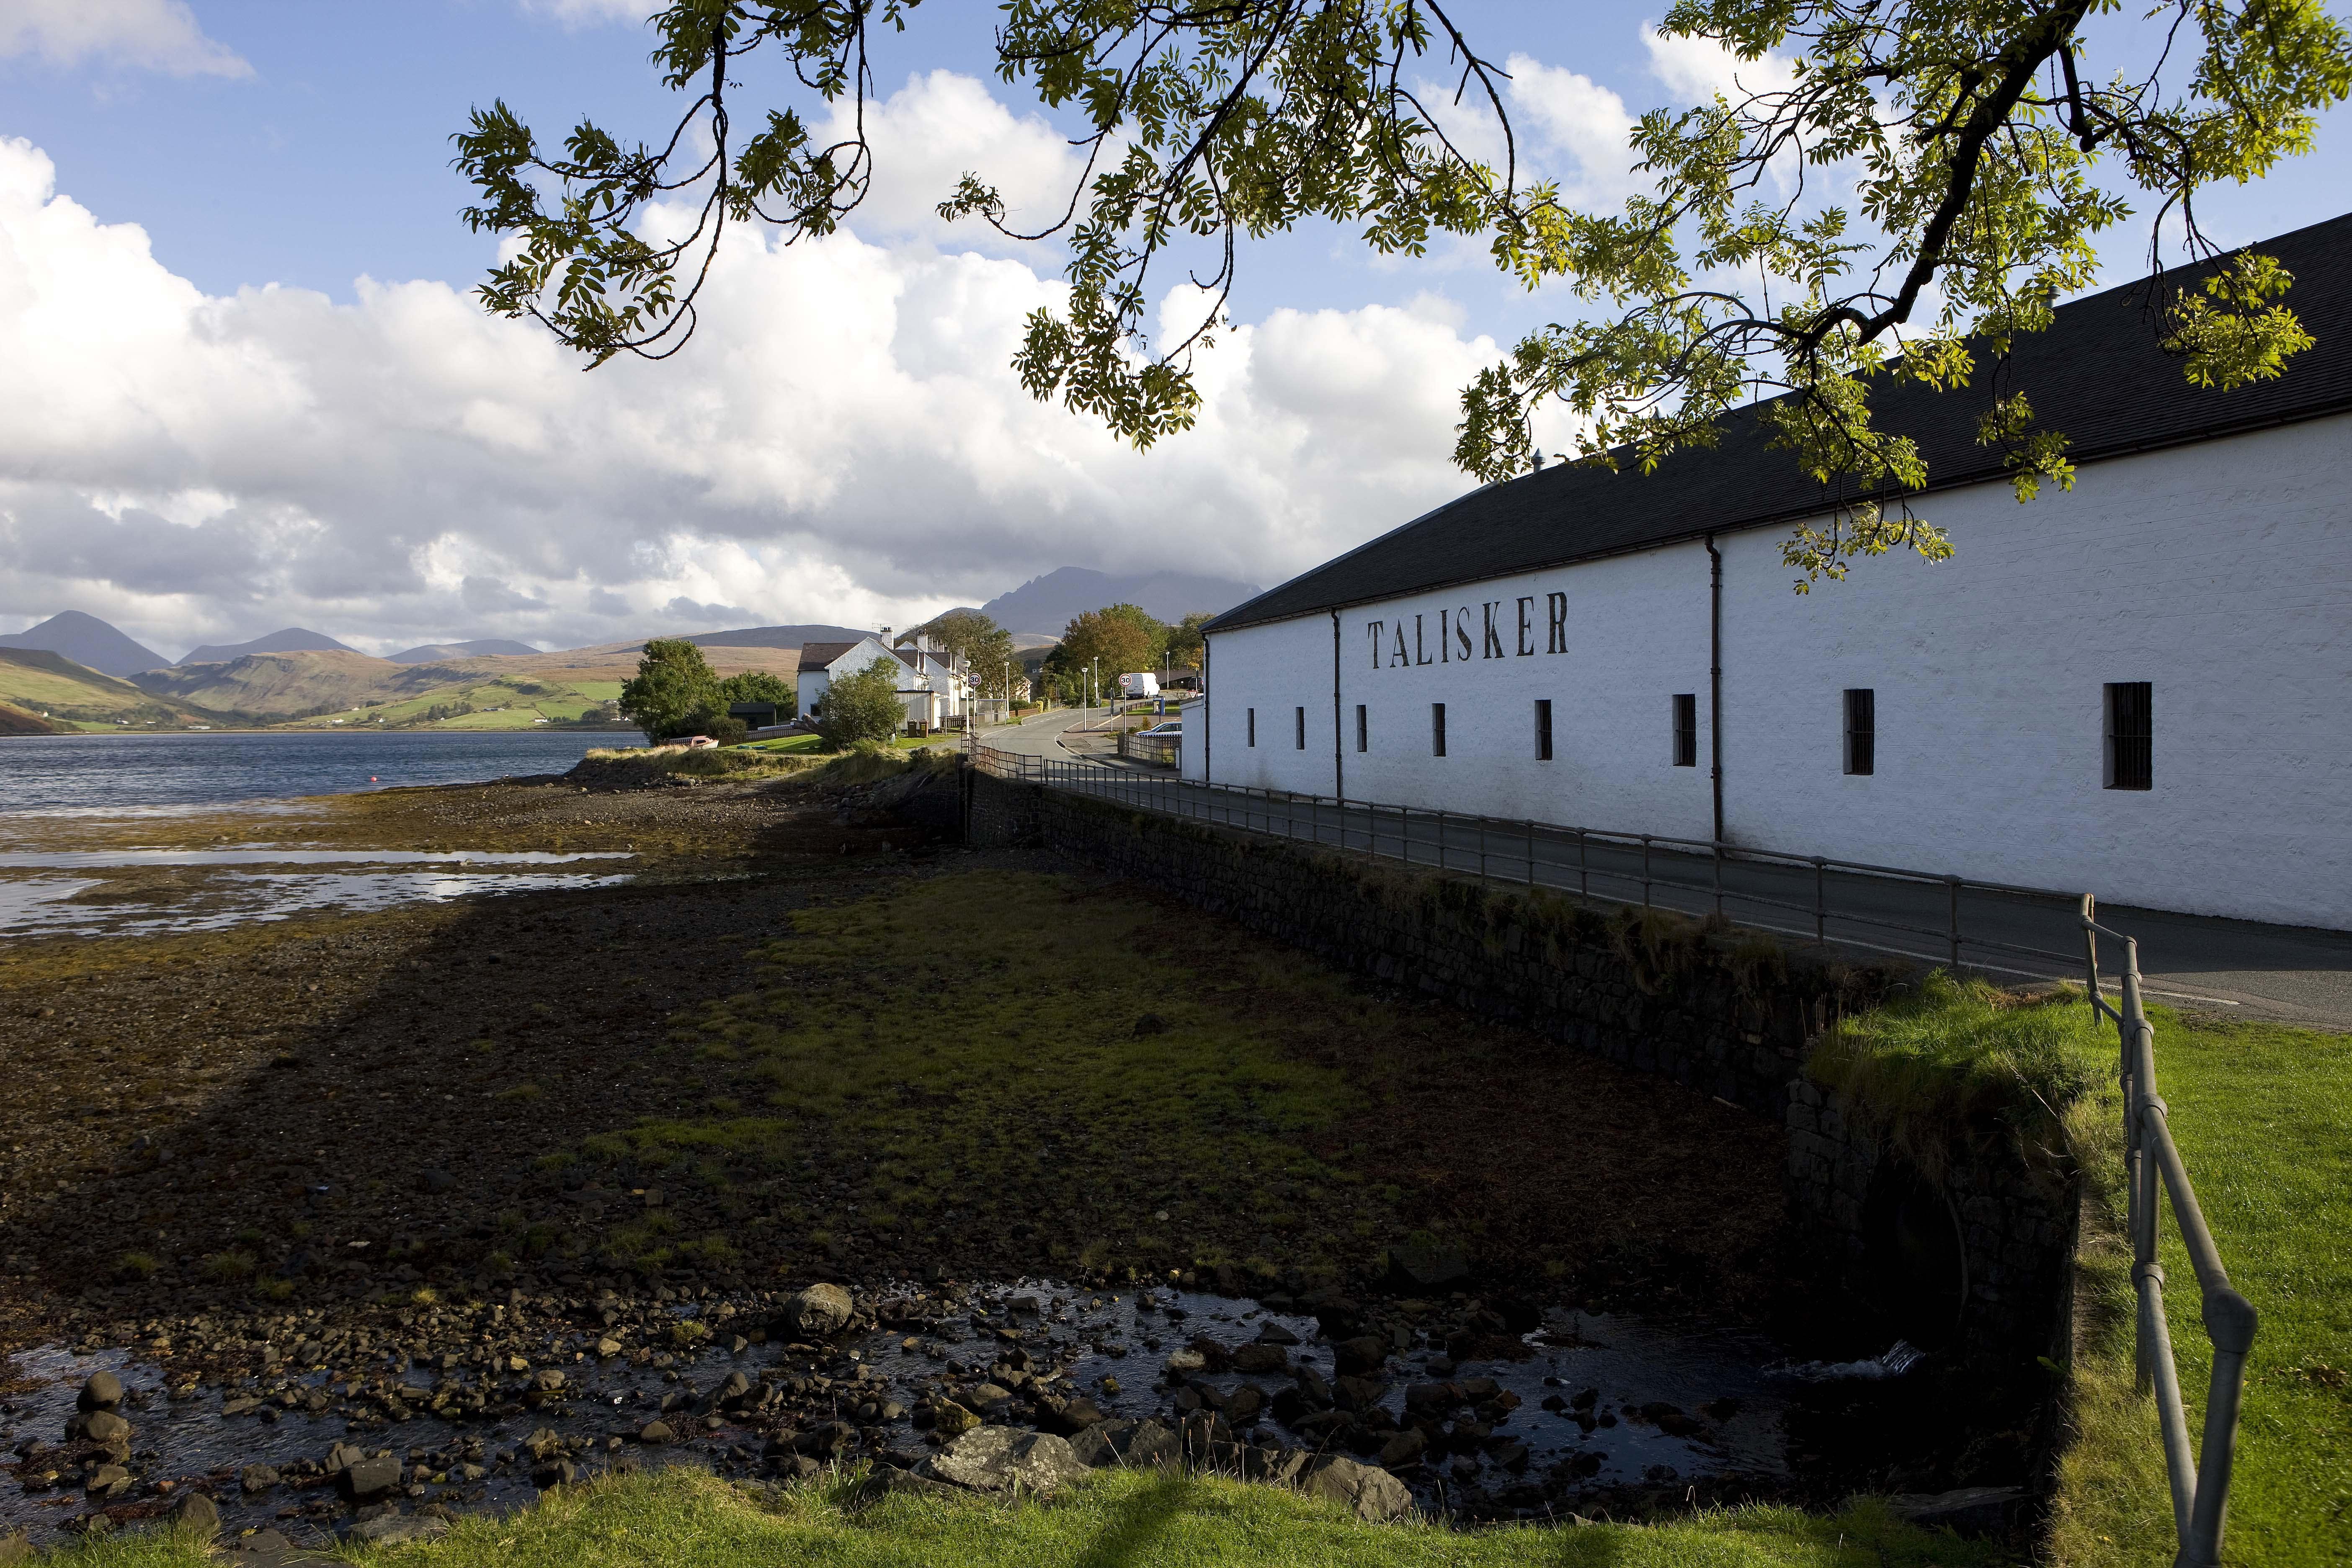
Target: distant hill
40, 690
90, 642
769, 637
480, 648
1047, 605
291, 640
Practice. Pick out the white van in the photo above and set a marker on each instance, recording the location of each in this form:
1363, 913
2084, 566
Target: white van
1141, 685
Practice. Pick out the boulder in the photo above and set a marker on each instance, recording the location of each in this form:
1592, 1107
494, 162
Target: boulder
196, 1511
365, 1480
1357, 1393
823, 1309
394, 1528
1425, 1265
1273, 1333
1004, 1459
951, 1419
653, 1434
100, 1427
1259, 1359
1405, 1449
257, 1478
1367, 1353
1366, 1490
102, 1391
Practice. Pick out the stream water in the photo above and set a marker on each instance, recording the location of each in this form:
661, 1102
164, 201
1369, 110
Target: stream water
1661, 1407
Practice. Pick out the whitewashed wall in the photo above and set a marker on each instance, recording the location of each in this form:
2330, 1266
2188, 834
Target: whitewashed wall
2220, 573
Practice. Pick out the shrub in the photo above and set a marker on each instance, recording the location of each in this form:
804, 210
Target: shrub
863, 707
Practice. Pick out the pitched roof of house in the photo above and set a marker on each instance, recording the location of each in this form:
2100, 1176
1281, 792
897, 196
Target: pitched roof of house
2098, 375
821, 654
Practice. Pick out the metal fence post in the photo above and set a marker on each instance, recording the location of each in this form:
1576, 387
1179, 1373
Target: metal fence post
1645, 870
1532, 852
1583, 867
1714, 848
1821, 900
1954, 884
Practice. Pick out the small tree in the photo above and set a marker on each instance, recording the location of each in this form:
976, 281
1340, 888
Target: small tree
862, 707
674, 691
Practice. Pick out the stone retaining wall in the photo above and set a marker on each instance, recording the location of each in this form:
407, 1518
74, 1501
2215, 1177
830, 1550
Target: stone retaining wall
2016, 1224
1723, 1016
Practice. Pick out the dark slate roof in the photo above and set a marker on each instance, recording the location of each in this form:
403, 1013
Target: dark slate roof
819, 655
2097, 375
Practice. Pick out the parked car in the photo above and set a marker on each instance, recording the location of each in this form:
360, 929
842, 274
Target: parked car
1172, 729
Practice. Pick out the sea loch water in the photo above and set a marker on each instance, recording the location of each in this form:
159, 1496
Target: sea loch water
109, 773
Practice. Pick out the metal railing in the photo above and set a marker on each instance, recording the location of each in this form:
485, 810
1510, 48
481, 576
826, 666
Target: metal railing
2200, 1481
1884, 909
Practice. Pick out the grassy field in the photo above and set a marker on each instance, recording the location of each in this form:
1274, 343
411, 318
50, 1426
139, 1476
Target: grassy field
679, 1518
2263, 1114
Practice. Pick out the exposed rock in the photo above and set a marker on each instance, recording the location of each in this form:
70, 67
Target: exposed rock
434, 1181
100, 1427
1371, 1493
1003, 1459
256, 1478
1367, 1353
196, 1511
365, 1480
1970, 1510
392, 1528
822, 1309
953, 1420
1405, 1449
1273, 1333
102, 1391
1357, 1393
1185, 1361
656, 1433
1426, 1264
1256, 1359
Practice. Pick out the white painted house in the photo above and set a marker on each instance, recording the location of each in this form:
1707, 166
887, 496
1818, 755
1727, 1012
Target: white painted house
932, 683
2141, 688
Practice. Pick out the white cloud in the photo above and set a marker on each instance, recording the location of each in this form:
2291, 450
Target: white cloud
150, 34
843, 442
1575, 116
590, 13
1696, 70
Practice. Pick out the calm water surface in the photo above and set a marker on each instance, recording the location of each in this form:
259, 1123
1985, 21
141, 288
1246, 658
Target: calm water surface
109, 774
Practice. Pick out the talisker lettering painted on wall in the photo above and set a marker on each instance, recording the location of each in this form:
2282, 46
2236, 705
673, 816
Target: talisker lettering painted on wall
1453, 644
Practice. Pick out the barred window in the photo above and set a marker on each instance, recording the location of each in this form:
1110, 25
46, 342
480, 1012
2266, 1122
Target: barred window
2131, 735
1685, 729
1861, 729
1543, 729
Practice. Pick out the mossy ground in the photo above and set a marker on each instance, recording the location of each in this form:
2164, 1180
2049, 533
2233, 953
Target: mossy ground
1087, 1076
678, 1519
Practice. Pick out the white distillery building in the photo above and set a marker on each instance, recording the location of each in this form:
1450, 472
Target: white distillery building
2141, 688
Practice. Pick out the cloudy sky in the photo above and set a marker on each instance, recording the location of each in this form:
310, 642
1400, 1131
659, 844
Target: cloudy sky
242, 383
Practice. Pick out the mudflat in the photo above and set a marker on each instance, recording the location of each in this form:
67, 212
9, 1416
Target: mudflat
555, 1159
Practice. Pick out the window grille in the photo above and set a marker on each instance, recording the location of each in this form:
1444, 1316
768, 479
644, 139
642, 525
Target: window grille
1437, 729
1302, 728
1363, 729
1685, 729
2131, 735
1861, 729
1543, 729
1253, 726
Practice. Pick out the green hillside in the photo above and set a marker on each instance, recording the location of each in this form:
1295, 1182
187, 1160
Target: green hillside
51, 691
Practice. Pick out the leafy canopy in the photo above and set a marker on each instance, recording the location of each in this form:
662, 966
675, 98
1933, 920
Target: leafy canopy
985, 647
1115, 640
865, 706
758, 686
1895, 189
673, 690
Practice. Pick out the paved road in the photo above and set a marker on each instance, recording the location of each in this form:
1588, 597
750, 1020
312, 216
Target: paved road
2232, 967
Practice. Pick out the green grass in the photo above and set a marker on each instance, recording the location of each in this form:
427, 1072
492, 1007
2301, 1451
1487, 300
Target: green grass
2263, 1114
683, 1519
1956, 1059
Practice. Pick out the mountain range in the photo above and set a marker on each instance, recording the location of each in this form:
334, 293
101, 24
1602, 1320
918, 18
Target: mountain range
73, 670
